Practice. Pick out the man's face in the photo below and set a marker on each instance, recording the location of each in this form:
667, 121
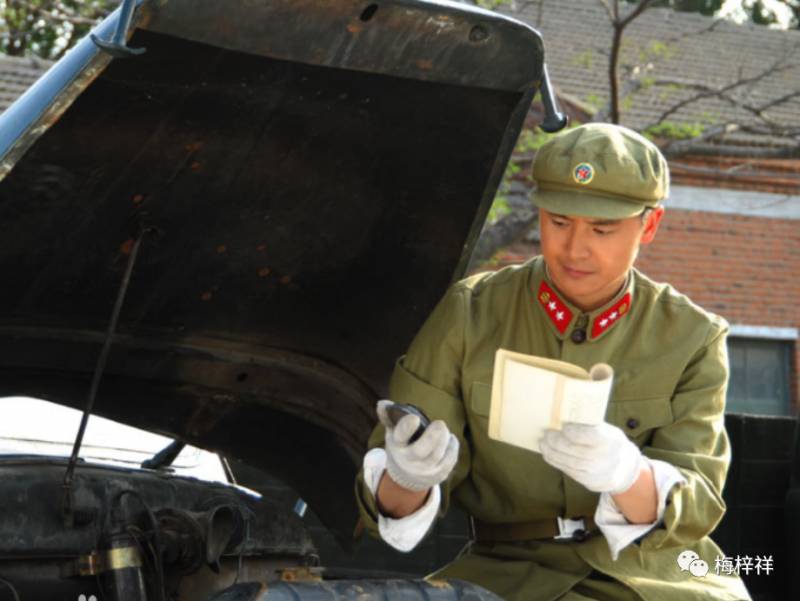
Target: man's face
587, 258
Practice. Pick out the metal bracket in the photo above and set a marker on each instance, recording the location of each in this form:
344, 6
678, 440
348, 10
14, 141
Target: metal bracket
117, 47
97, 562
165, 457
554, 120
567, 528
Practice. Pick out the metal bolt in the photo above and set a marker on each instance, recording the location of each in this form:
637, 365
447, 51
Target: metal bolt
478, 34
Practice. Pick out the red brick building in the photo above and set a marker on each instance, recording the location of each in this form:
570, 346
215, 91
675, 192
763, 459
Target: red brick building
730, 238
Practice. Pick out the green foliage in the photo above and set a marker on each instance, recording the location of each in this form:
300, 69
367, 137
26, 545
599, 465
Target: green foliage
669, 90
627, 103
583, 59
647, 82
674, 130
47, 28
529, 141
656, 49
595, 102
499, 209
758, 11
760, 14
491, 4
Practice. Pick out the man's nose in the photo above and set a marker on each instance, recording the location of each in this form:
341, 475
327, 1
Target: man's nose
576, 246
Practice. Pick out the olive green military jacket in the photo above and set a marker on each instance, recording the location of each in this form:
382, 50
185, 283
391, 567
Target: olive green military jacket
670, 362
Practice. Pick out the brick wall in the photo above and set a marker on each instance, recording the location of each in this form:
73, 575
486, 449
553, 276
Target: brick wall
746, 269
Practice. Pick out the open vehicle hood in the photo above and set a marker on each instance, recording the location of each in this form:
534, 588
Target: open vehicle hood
311, 177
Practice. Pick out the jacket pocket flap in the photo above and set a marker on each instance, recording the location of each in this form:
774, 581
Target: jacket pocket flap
638, 416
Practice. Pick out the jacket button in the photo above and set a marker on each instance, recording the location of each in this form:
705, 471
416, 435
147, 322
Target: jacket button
578, 335
632, 423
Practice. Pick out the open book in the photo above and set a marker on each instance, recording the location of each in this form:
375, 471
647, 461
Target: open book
531, 394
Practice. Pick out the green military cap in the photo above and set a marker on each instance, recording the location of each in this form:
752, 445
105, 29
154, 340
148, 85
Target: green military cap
599, 170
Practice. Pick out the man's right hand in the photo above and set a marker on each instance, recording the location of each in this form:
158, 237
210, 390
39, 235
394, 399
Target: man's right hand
424, 463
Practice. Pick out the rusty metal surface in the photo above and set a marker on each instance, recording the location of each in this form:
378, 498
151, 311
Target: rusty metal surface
442, 42
308, 209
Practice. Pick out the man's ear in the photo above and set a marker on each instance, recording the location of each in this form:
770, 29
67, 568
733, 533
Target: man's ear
651, 225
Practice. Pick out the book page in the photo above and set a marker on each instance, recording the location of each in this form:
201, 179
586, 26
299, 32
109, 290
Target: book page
553, 365
528, 397
585, 401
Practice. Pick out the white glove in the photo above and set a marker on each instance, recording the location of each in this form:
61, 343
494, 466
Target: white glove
424, 463
600, 457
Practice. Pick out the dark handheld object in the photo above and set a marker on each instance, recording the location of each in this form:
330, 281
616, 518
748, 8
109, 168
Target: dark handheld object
397, 411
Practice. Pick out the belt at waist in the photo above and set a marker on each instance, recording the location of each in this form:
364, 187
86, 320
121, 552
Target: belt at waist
538, 529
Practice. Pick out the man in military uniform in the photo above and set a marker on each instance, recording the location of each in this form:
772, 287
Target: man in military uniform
604, 511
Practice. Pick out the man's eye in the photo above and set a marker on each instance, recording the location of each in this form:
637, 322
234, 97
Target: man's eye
602, 232
558, 223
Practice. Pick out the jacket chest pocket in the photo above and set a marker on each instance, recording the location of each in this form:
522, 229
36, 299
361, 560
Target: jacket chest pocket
640, 417
480, 401
478, 409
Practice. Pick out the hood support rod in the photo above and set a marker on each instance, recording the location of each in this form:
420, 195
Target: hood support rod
67, 500
118, 47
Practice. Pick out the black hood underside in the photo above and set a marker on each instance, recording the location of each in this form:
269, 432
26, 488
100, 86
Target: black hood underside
304, 190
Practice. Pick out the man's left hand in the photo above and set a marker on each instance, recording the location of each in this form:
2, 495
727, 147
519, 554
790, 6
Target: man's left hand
600, 457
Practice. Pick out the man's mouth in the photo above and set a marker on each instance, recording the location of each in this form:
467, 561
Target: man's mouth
575, 273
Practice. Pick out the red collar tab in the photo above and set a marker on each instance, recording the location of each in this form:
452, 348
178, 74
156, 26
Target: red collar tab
555, 308
606, 320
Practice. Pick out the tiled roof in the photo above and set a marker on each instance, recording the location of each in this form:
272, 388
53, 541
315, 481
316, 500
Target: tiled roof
17, 75
577, 36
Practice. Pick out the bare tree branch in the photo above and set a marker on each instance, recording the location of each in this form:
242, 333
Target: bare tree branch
619, 26
732, 170
678, 147
539, 13
608, 9
640, 8
682, 36
706, 91
746, 152
779, 130
731, 138
779, 100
